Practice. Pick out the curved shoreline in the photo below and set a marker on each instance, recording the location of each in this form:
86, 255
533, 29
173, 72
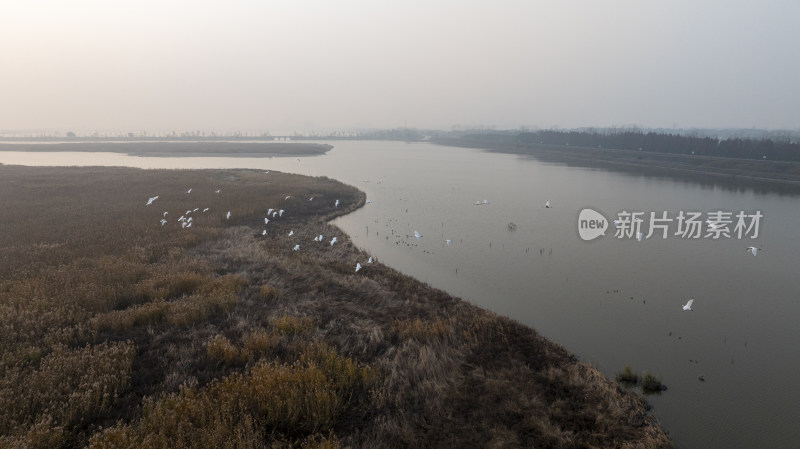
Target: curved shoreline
448, 373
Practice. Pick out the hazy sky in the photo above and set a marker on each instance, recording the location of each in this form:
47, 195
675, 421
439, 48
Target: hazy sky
296, 65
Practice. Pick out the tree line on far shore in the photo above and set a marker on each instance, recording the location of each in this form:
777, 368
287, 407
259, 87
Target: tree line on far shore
745, 148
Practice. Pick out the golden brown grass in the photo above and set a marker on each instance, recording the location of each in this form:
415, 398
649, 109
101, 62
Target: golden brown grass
118, 332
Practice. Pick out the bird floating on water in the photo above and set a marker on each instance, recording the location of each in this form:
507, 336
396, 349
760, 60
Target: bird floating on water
547, 204
150, 201
752, 250
448, 242
369, 201
688, 305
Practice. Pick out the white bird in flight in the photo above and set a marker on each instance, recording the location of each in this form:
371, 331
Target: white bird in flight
370, 260
752, 250
287, 197
189, 191
218, 190
416, 235
337, 203
333, 240
228, 217
311, 199
205, 210
688, 305
150, 201
448, 242
266, 220
296, 248
264, 233
639, 236
270, 211
358, 267
163, 222
369, 201
280, 212
485, 201
165, 213
547, 204
291, 233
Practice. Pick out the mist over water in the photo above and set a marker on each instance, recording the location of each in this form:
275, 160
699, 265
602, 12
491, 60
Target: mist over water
611, 301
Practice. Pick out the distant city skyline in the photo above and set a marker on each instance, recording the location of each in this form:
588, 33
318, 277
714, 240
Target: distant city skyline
321, 66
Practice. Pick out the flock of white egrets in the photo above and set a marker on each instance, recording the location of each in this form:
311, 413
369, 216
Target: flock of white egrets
186, 220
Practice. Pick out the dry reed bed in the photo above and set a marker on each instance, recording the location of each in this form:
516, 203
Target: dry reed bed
118, 332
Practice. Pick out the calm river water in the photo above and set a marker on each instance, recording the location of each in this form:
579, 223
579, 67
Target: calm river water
611, 301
